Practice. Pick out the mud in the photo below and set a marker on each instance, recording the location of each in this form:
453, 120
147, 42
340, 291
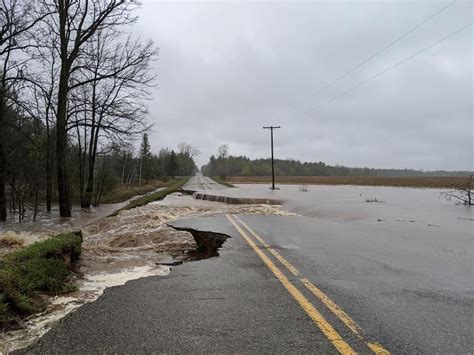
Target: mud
134, 244
207, 243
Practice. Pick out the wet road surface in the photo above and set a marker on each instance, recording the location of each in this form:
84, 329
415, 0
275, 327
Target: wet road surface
236, 302
363, 278
200, 182
230, 303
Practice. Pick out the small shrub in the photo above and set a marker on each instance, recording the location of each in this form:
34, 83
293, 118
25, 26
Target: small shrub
373, 199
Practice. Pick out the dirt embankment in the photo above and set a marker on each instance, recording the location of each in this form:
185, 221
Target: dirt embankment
428, 182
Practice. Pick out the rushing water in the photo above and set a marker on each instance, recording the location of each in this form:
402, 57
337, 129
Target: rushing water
117, 249
131, 244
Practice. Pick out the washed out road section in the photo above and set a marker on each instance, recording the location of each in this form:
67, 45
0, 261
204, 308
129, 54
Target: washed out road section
231, 304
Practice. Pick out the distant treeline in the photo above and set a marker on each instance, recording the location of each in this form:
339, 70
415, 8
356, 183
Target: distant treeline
243, 166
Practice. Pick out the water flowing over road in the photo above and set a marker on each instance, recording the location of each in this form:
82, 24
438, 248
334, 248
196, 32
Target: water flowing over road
357, 270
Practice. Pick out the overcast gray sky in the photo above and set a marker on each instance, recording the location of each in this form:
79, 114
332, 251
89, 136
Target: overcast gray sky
225, 69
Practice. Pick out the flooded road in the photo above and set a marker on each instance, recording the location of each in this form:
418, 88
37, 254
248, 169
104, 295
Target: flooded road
398, 260
134, 244
417, 228
346, 202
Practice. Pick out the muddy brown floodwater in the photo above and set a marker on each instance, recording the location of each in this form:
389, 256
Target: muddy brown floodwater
134, 244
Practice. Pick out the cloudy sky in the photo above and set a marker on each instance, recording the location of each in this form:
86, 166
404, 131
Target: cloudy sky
227, 68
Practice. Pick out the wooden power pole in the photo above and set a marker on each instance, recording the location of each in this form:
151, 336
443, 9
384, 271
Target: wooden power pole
271, 128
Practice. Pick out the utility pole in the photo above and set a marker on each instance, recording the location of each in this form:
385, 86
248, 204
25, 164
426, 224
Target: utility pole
271, 128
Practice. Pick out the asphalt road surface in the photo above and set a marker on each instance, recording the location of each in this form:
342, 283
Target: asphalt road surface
200, 182
290, 285
315, 294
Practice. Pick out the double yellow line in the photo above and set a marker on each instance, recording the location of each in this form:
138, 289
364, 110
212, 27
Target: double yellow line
327, 329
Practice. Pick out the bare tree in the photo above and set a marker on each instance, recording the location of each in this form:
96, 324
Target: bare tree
462, 194
74, 23
110, 91
223, 151
36, 97
188, 149
15, 22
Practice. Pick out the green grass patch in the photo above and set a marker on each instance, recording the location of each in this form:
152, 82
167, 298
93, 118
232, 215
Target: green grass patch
222, 181
41, 268
159, 195
124, 192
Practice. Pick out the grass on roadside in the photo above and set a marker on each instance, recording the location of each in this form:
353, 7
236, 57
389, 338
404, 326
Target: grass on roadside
40, 268
124, 192
159, 195
222, 181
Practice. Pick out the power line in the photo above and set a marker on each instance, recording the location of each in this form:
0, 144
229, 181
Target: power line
396, 40
399, 63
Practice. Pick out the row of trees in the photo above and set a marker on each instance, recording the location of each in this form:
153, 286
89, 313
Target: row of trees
224, 164
167, 164
115, 164
73, 92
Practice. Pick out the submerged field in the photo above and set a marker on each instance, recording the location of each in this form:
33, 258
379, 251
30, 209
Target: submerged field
433, 182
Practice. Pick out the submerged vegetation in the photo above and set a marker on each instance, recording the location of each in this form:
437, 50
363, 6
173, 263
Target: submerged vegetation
40, 268
463, 193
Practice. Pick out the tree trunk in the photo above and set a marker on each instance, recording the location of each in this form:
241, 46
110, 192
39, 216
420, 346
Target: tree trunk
100, 187
123, 169
3, 161
12, 195
61, 146
86, 202
49, 187
140, 173
35, 208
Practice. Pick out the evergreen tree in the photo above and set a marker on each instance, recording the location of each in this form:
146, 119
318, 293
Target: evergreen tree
145, 159
173, 164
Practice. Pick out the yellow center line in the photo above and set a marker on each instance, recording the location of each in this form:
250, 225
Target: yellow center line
313, 313
277, 255
328, 302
